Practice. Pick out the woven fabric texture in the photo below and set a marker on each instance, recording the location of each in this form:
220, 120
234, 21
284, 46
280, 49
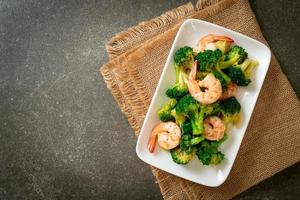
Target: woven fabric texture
272, 140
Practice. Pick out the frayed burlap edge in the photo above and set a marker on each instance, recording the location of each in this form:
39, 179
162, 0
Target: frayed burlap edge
111, 81
132, 37
123, 91
201, 4
121, 45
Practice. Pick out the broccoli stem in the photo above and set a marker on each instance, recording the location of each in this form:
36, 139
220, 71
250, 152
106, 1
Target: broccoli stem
225, 80
229, 63
182, 77
197, 140
177, 71
197, 127
247, 67
197, 122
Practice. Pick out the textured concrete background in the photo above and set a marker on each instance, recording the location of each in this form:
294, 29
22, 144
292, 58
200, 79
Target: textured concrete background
62, 135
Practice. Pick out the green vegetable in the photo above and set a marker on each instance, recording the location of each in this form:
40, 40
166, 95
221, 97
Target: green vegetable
236, 51
240, 74
208, 61
186, 127
187, 142
179, 118
184, 59
196, 140
236, 54
223, 78
188, 106
164, 113
216, 158
230, 110
180, 156
208, 152
213, 109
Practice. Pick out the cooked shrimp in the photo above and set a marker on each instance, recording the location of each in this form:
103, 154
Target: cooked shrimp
214, 128
230, 91
207, 91
208, 42
167, 134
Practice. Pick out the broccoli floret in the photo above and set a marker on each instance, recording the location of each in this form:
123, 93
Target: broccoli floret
179, 89
186, 127
223, 78
216, 158
164, 113
184, 59
187, 142
213, 109
208, 152
180, 156
240, 74
188, 106
197, 121
208, 61
230, 110
235, 55
179, 118
196, 140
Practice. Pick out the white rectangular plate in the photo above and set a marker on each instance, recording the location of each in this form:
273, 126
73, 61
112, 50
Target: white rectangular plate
189, 33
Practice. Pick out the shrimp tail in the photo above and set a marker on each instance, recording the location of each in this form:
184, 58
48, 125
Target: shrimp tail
152, 142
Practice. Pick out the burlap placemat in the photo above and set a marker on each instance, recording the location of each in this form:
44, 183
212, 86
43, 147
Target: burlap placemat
272, 139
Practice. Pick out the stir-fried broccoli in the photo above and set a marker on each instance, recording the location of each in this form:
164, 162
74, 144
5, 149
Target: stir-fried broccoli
184, 59
186, 127
230, 110
187, 142
236, 54
164, 113
180, 156
208, 61
213, 109
190, 107
179, 89
208, 151
223, 78
240, 74
179, 118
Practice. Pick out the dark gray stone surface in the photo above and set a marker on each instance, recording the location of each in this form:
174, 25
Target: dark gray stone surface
62, 135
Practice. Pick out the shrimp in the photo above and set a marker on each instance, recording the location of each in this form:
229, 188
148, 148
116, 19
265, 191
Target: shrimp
208, 42
230, 91
167, 134
207, 91
214, 128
